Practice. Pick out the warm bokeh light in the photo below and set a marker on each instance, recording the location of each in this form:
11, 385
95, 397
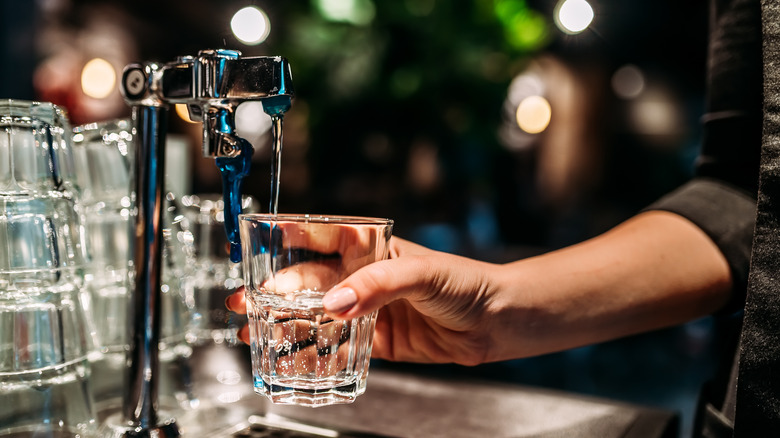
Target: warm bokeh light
98, 78
250, 25
533, 114
656, 113
628, 82
183, 113
573, 16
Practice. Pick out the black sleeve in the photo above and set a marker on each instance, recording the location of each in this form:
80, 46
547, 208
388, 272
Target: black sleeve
727, 214
721, 199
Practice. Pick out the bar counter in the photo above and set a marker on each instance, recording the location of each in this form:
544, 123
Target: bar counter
210, 395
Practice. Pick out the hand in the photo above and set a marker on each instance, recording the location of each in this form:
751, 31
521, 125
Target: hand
434, 306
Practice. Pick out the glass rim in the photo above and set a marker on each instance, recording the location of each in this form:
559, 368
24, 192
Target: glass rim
120, 122
315, 218
25, 104
20, 112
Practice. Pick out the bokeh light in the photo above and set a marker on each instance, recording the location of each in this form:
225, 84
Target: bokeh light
657, 113
533, 114
573, 16
524, 28
250, 25
98, 78
252, 123
628, 82
359, 12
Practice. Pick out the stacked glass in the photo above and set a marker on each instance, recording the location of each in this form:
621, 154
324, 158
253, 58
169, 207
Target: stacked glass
46, 334
105, 155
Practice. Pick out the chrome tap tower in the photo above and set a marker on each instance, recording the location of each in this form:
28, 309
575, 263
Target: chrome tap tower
212, 85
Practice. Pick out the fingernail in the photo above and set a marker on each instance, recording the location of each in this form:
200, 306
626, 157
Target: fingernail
227, 303
339, 300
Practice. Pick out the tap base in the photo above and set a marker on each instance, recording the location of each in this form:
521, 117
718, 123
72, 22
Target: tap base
117, 427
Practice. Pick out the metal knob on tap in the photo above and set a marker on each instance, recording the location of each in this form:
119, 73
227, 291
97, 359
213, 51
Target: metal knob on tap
212, 85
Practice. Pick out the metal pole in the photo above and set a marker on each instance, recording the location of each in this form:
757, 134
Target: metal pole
140, 403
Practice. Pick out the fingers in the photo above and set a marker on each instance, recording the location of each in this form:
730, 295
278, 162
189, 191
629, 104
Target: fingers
382, 282
243, 334
236, 302
376, 285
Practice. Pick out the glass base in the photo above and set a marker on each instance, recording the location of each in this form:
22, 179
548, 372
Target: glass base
303, 394
46, 431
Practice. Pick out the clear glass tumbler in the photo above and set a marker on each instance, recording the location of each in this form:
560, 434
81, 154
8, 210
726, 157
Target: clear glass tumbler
46, 335
300, 355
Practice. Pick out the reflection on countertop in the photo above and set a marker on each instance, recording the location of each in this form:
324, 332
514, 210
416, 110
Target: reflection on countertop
209, 392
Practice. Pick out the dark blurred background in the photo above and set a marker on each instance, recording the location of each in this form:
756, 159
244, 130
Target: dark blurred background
435, 114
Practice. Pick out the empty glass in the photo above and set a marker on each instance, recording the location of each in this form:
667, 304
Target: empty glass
212, 276
46, 337
104, 161
300, 355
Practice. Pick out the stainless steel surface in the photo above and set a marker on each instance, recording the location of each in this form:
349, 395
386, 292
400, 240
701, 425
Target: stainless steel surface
398, 403
140, 405
212, 85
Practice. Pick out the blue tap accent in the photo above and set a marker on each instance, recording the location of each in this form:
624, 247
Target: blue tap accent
277, 105
234, 170
224, 122
283, 67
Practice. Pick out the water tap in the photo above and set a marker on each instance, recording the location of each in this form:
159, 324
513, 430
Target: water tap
212, 85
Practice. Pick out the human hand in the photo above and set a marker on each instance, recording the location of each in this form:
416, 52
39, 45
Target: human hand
434, 306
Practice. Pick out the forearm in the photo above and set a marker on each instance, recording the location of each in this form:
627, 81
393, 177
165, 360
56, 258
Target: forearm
655, 270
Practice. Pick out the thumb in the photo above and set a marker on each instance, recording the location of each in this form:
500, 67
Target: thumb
375, 285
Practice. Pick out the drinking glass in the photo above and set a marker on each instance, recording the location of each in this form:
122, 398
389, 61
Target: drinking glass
212, 277
300, 355
46, 334
104, 160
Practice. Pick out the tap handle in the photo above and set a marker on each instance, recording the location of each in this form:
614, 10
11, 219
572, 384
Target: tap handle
138, 84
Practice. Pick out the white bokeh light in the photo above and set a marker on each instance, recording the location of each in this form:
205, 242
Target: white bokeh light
573, 16
252, 123
250, 25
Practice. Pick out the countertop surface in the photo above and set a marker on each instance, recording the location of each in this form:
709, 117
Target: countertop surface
210, 394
